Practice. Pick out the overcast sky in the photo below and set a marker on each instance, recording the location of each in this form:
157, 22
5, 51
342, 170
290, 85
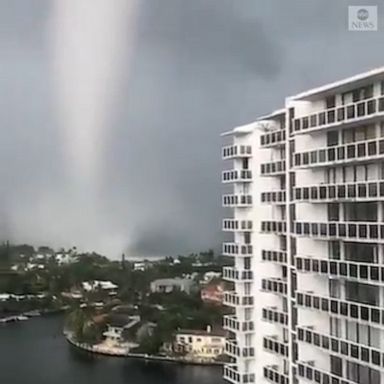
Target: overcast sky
111, 118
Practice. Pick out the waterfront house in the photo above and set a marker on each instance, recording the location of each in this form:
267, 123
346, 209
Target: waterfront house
200, 345
118, 326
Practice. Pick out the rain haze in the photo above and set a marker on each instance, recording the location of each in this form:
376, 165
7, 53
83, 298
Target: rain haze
112, 111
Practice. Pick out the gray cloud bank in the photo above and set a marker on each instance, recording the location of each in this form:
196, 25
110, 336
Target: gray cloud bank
198, 68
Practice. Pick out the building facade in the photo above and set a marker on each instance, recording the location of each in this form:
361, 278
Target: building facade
307, 225
213, 293
200, 345
171, 285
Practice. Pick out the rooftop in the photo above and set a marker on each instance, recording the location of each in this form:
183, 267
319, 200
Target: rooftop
346, 84
170, 281
202, 332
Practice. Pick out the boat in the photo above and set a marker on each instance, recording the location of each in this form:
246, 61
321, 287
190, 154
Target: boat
22, 318
34, 313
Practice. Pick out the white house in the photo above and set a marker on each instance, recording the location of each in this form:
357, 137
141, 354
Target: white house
170, 285
200, 345
90, 286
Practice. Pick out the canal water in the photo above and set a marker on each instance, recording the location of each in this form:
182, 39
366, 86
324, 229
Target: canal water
35, 352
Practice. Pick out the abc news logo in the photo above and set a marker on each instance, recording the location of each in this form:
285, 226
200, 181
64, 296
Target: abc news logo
361, 18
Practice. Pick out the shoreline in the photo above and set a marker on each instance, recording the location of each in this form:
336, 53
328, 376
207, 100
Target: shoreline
24, 316
142, 356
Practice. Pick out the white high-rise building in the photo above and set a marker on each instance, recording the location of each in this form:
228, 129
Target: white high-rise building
307, 220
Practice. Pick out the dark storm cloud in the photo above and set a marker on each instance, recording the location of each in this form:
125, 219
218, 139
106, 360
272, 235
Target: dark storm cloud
198, 68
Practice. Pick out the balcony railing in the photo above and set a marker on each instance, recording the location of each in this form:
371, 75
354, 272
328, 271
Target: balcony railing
342, 308
340, 345
273, 345
273, 197
273, 139
273, 315
233, 225
237, 200
237, 249
234, 350
365, 272
347, 114
274, 285
274, 168
237, 176
237, 275
272, 374
277, 227
309, 372
362, 151
232, 375
357, 191
279, 257
231, 323
353, 231
234, 299
236, 151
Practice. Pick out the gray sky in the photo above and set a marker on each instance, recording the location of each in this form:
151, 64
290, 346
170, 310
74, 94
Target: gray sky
163, 80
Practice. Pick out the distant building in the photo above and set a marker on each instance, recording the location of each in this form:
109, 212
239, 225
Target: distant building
200, 345
208, 276
5, 296
117, 327
213, 293
170, 285
64, 258
33, 266
140, 266
89, 286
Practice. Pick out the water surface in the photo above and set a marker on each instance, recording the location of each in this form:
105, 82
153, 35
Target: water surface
34, 352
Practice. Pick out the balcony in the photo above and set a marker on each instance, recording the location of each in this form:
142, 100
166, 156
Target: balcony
233, 225
237, 249
237, 201
237, 176
279, 257
274, 227
234, 299
273, 315
359, 152
272, 374
309, 372
342, 308
274, 285
340, 345
273, 197
274, 168
351, 231
364, 272
233, 349
236, 152
273, 345
231, 323
232, 375
357, 191
273, 139
346, 115
237, 275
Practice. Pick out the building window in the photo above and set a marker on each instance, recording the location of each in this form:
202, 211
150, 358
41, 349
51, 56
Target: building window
330, 102
332, 138
336, 366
